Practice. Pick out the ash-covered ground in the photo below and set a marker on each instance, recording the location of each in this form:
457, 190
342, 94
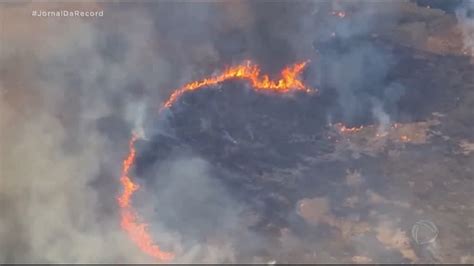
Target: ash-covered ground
377, 167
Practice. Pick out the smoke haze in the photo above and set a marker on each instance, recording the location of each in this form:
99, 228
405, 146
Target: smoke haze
73, 89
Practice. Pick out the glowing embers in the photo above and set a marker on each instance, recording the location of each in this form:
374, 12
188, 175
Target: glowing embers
136, 230
344, 130
409, 133
340, 13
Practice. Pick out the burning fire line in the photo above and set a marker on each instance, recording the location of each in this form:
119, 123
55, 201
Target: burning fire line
129, 220
343, 129
136, 230
289, 81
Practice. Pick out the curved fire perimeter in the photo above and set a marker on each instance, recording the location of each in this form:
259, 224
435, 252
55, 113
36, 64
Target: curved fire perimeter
137, 231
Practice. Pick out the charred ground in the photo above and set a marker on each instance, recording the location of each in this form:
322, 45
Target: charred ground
271, 152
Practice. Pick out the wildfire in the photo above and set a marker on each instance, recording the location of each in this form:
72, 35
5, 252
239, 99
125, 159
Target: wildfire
343, 129
289, 80
405, 138
129, 220
130, 223
340, 14
397, 132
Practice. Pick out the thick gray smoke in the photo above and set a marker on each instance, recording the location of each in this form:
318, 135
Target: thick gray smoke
58, 168
73, 89
352, 65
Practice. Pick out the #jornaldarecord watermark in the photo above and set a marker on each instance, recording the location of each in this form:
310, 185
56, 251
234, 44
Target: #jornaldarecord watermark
66, 13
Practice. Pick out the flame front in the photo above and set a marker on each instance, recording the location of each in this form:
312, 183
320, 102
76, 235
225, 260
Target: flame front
129, 220
130, 223
289, 81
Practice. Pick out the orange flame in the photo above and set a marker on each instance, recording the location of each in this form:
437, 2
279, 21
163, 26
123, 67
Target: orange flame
136, 230
343, 129
289, 81
129, 220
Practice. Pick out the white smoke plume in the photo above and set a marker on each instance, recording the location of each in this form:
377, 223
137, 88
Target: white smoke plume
465, 16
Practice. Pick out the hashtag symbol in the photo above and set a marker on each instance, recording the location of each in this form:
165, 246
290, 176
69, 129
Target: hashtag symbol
33, 13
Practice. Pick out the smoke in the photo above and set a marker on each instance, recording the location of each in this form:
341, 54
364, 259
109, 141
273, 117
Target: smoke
194, 209
65, 105
352, 62
136, 113
381, 116
73, 90
465, 16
